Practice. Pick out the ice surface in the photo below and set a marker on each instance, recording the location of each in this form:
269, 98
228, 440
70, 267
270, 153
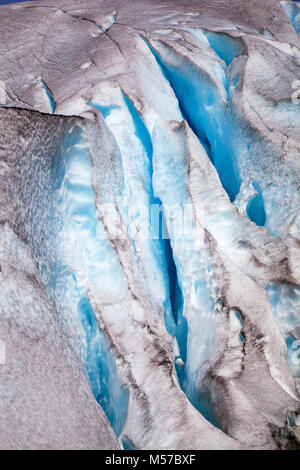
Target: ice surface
149, 193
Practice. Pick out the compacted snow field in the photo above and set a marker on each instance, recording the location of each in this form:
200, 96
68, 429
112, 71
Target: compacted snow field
150, 224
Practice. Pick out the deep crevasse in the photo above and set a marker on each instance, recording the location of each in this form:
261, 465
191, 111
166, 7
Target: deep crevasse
255, 209
87, 261
159, 163
75, 257
142, 210
194, 287
208, 88
152, 158
204, 105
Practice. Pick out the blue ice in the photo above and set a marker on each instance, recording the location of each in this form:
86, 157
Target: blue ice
224, 45
195, 337
104, 110
202, 107
85, 262
285, 302
50, 97
255, 208
137, 154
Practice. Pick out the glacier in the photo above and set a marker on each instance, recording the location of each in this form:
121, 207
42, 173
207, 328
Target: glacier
150, 225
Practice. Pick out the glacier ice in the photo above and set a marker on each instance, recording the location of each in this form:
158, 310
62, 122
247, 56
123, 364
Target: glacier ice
81, 260
41, 375
293, 12
150, 223
255, 206
208, 115
284, 299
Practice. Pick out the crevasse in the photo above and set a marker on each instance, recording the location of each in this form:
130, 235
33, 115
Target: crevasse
154, 159
196, 315
206, 112
142, 210
158, 228
50, 98
75, 259
87, 262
